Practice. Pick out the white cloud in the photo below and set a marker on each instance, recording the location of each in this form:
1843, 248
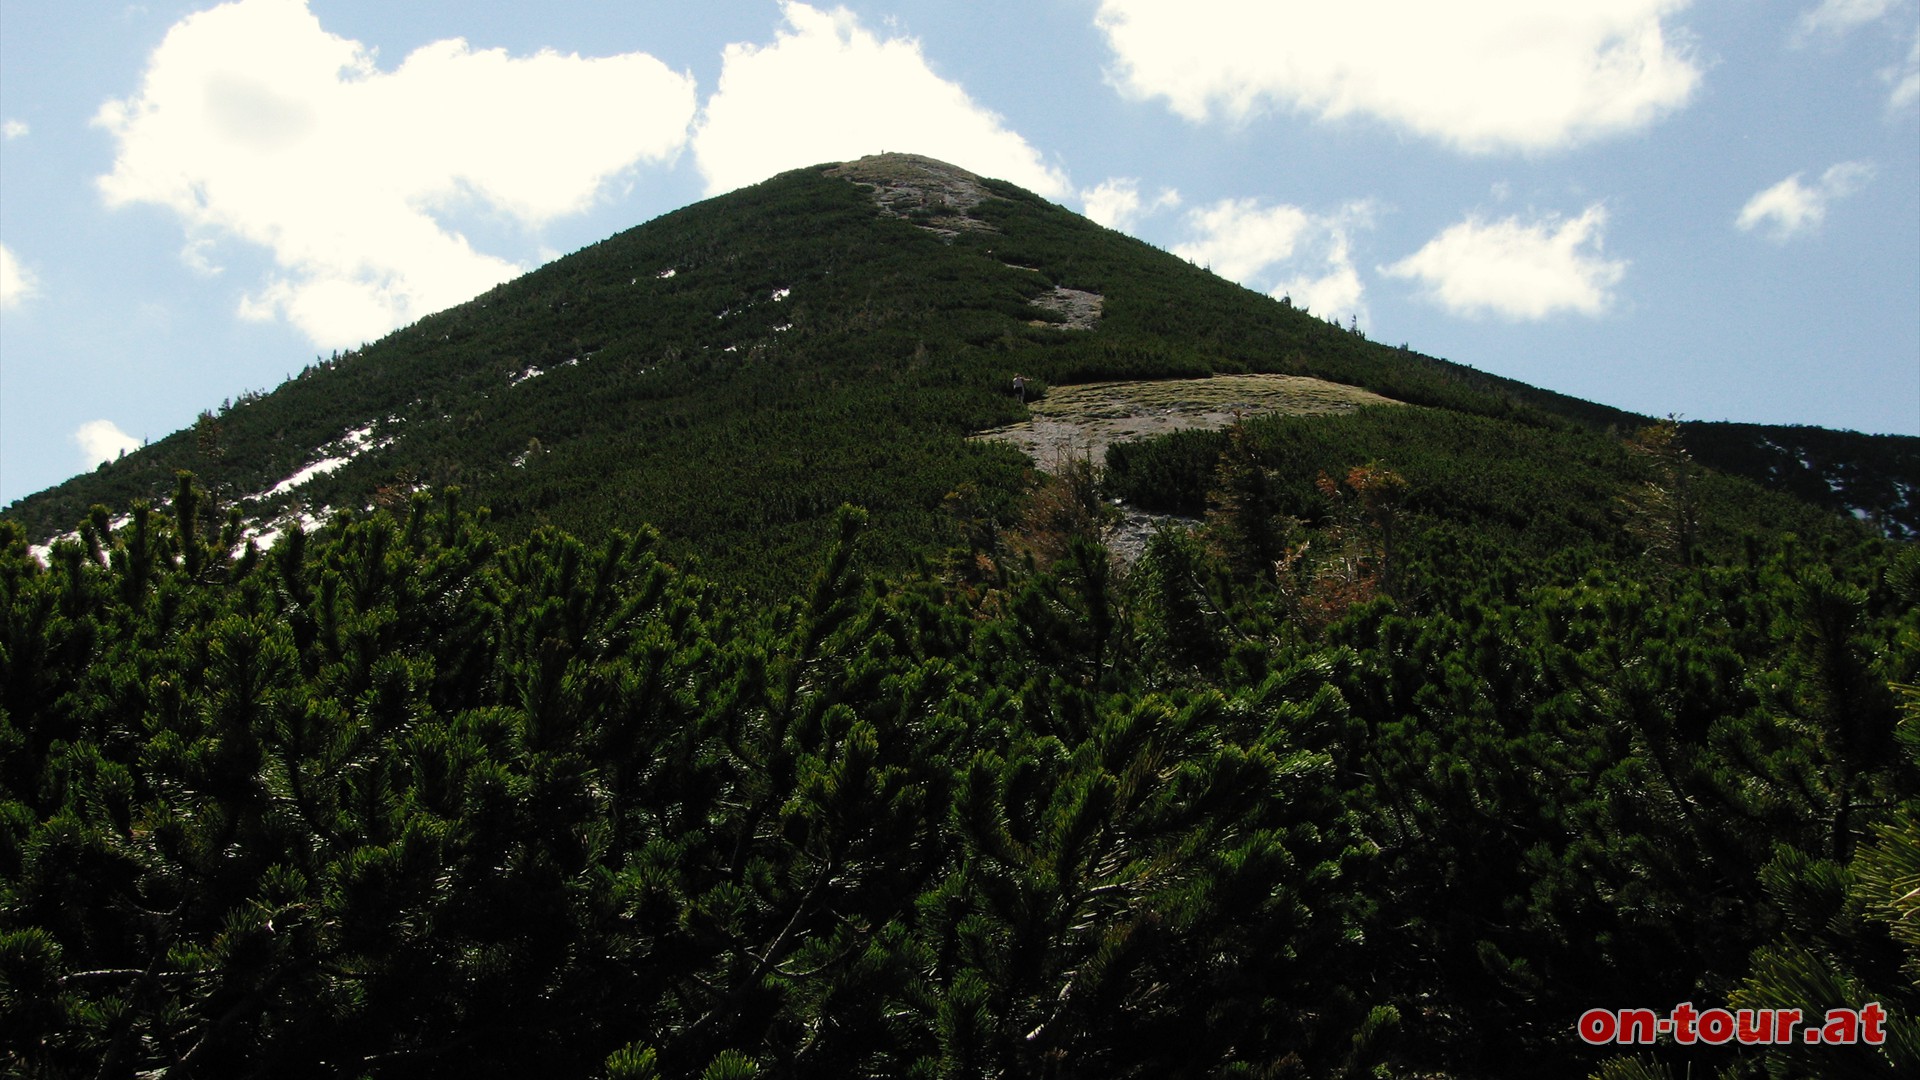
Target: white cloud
1238, 238
1283, 250
1517, 270
829, 90
14, 129
1904, 77
197, 256
17, 283
254, 122
102, 440
1790, 208
1117, 204
1479, 75
1837, 17
1336, 290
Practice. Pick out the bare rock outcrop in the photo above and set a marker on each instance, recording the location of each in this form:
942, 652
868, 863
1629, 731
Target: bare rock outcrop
932, 194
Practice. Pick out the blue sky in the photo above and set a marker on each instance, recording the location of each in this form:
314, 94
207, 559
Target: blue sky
1703, 208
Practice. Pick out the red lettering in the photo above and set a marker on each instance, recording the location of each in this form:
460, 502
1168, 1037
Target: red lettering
1752, 1027
1683, 1017
1637, 1026
1872, 1017
1597, 1026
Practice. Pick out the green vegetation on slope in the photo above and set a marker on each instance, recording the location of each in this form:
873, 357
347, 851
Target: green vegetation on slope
402, 799
1450, 723
735, 370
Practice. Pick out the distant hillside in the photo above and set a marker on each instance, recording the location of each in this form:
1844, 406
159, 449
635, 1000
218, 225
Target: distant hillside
1875, 478
734, 371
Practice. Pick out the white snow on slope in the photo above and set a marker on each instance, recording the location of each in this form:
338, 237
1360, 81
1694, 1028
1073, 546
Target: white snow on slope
41, 553
349, 446
531, 372
264, 537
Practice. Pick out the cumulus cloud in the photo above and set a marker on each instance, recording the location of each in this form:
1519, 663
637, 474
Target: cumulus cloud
1117, 203
17, 283
253, 122
1482, 75
1515, 269
1282, 250
1791, 208
1238, 238
102, 440
14, 129
827, 89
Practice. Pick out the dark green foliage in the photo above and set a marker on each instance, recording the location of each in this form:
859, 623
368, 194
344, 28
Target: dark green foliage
397, 799
1449, 724
389, 801
1874, 477
805, 352
1544, 489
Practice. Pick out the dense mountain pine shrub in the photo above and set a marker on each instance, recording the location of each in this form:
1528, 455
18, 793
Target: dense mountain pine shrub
402, 798
1432, 728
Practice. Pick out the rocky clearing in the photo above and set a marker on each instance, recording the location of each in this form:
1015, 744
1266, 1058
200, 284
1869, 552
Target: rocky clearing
1082, 421
933, 194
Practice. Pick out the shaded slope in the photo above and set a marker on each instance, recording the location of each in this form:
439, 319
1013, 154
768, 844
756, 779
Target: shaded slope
735, 370
1874, 478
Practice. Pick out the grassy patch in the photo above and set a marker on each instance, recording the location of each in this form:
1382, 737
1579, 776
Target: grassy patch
1075, 420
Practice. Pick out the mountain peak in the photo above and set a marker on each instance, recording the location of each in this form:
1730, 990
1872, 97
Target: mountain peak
931, 193
895, 166
736, 370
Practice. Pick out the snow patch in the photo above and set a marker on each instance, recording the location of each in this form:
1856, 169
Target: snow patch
667, 273
318, 468
781, 294
42, 553
269, 534
531, 372
344, 449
